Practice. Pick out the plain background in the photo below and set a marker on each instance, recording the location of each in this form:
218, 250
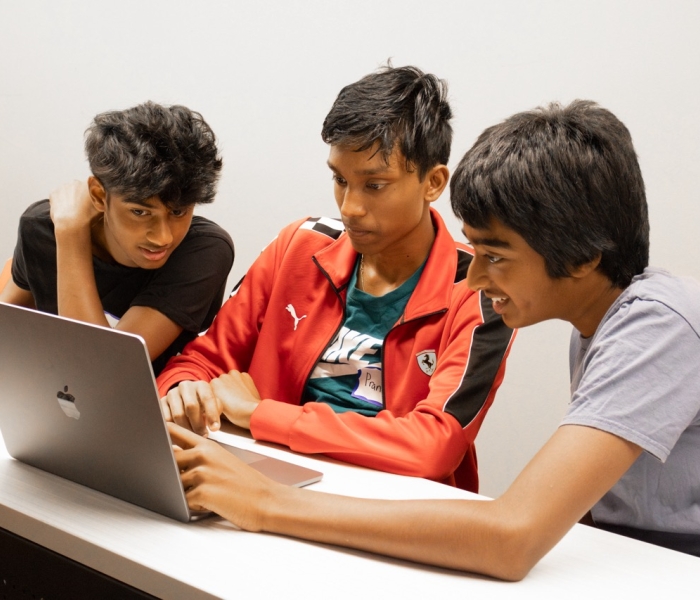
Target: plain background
264, 75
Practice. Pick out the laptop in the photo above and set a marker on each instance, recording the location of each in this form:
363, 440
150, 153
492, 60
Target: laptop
80, 401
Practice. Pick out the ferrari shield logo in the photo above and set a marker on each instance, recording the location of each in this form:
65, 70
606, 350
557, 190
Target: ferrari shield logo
427, 361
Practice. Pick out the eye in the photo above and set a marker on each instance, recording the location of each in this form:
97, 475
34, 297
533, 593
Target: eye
493, 259
138, 212
178, 212
375, 186
339, 180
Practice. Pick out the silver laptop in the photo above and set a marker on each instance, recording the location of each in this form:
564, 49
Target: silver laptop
80, 401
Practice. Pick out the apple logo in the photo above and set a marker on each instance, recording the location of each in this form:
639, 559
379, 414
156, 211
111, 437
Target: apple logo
67, 403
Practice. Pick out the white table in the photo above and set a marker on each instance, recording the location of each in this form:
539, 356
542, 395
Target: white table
212, 559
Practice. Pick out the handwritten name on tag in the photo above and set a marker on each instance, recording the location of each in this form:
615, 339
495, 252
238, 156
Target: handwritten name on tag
369, 384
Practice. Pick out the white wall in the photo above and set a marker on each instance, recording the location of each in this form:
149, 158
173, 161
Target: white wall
264, 74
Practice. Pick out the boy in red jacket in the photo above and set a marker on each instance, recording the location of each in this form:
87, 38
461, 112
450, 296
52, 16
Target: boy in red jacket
359, 337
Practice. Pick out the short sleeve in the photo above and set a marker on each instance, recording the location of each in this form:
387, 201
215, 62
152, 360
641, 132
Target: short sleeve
34, 257
19, 266
640, 380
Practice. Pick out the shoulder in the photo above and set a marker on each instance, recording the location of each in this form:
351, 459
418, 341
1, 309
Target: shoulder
453, 255
35, 229
202, 227
205, 239
37, 212
324, 230
309, 234
656, 293
321, 226
653, 327
206, 248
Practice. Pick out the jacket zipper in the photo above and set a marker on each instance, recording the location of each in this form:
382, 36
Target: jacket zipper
330, 341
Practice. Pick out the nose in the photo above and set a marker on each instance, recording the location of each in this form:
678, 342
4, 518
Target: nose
476, 274
160, 233
350, 203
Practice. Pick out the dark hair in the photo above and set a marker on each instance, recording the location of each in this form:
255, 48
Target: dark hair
567, 180
153, 150
394, 105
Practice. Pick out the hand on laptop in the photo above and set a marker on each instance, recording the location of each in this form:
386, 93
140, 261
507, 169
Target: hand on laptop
210, 474
198, 405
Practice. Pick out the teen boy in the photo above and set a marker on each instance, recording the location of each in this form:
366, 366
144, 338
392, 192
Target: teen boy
553, 202
124, 249
361, 336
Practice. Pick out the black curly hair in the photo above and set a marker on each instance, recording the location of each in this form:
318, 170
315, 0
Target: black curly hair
154, 150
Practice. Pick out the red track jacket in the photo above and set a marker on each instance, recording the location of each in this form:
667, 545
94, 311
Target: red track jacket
442, 362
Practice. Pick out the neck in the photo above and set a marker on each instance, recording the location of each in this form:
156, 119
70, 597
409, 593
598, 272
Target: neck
99, 241
600, 297
385, 271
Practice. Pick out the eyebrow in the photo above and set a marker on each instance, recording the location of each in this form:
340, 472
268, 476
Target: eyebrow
145, 203
487, 241
377, 171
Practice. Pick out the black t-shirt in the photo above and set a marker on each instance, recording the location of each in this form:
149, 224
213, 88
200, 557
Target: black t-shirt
188, 288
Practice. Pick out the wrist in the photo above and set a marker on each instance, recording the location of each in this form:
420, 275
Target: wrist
241, 414
247, 413
273, 507
70, 229
73, 245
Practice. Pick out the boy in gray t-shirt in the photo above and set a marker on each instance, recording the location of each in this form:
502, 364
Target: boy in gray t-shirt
554, 206
637, 377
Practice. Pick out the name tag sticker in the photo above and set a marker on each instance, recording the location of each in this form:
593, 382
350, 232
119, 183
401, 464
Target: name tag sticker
369, 385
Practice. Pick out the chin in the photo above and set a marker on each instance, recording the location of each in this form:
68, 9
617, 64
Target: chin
513, 323
150, 266
141, 263
522, 322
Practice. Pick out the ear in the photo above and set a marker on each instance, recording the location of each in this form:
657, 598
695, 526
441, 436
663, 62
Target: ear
98, 194
435, 180
586, 268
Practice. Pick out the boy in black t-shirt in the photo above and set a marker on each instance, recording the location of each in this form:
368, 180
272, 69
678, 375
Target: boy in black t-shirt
124, 249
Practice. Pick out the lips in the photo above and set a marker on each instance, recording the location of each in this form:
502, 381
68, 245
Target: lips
359, 237
357, 232
498, 302
154, 255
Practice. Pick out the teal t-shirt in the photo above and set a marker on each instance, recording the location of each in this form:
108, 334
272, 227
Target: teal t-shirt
348, 376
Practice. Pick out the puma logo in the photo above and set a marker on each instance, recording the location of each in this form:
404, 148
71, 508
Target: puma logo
292, 312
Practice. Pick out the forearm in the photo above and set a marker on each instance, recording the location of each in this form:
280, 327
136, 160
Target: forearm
201, 360
13, 294
427, 444
498, 538
468, 535
226, 346
76, 287
504, 538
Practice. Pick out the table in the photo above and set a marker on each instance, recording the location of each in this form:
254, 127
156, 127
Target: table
212, 559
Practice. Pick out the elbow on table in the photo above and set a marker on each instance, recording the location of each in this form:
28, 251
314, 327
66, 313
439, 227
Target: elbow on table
426, 462
433, 466
515, 550
438, 459
514, 567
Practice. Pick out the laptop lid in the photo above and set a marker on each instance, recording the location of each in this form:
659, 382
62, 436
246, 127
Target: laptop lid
80, 401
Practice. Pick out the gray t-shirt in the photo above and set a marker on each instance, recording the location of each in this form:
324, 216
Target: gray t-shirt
638, 377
